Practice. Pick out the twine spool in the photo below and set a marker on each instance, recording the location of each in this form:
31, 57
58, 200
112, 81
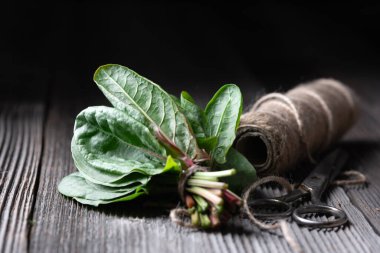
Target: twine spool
281, 130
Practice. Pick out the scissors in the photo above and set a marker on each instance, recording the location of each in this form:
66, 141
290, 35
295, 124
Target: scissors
312, 188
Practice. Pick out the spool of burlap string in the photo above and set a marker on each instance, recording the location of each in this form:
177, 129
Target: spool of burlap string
281, 130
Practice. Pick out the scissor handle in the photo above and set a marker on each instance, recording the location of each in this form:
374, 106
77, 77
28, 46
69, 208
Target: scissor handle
323, 174
299, 213
259, 204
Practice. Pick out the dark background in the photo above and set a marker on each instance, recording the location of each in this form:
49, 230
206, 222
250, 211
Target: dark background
261, 47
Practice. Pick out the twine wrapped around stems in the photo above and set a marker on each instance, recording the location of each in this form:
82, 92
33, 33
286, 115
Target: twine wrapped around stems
281, 130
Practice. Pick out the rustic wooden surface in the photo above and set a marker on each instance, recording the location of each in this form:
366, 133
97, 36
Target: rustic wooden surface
34, 217
49, 53
21, 130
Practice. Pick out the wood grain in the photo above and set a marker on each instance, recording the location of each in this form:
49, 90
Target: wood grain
21, 128
34, 217
63, 225
363, 143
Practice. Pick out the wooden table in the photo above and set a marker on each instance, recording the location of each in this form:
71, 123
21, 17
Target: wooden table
35, 154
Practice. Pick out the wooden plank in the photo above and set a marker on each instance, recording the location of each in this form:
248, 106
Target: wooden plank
63, 225
21, 128
363, 142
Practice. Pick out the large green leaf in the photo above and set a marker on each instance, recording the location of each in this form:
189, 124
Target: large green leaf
145, 100
194, 114
207, 143
246, 173
108, 145
77, 187
101, 175
223, 115
140, 191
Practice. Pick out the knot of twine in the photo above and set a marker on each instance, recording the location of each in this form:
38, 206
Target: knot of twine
300, 123
178, 215
185, 175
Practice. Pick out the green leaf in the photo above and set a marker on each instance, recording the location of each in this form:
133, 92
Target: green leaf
176, 100
186, 96
77, 187
172, 165
129, 197
146, 101
108, 145
223, 115
99, 175
208, 143
246, 173
194, 114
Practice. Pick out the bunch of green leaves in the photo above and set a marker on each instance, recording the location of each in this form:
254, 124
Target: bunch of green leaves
148, 132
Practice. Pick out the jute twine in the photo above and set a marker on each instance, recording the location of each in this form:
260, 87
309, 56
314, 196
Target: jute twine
185, 175
180, 215
281, 130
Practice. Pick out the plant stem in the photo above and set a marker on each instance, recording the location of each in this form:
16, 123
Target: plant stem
201, 203
232, 197
206, 194
173, 148
205, 221
233, 194
221, 173
189, 201
219, 209
215, 179
217, 192
214, 218
195, 218
207, 184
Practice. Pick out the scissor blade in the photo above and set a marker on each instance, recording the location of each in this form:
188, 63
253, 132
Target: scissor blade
324, 173
296, 194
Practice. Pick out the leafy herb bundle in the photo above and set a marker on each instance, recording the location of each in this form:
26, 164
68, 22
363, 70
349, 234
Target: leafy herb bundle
119, 150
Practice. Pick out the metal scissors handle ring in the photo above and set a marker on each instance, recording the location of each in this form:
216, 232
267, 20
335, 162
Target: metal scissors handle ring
299, 213
272, 203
